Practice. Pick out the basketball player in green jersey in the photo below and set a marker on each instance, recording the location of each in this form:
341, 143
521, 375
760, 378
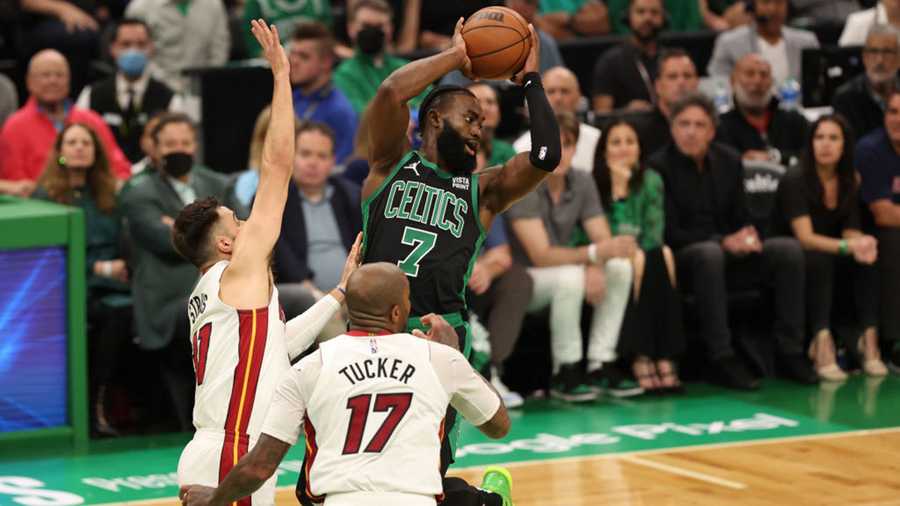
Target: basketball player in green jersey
425, 210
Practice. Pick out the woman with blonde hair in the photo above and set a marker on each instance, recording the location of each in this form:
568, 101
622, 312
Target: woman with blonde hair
78, 174
247, 181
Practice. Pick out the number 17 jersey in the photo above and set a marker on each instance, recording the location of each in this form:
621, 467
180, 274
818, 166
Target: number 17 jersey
425, 220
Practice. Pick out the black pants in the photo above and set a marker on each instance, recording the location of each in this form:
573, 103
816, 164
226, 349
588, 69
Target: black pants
110, 328
822, 270
707, 270
889, 280
502, 309
177, 371
653, 325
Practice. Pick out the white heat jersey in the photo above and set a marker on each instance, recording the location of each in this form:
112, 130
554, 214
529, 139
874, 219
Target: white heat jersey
373, 408
239, 357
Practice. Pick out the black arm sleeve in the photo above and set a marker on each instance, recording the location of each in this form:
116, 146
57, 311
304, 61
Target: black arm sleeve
545, 145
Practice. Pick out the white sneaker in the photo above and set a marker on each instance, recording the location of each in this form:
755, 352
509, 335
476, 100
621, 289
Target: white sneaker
510, 399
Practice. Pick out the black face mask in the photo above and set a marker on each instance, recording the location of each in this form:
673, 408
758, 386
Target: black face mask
370, 40
177, 164
452, 148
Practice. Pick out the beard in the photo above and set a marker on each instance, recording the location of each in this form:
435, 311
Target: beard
752, 103
452, 149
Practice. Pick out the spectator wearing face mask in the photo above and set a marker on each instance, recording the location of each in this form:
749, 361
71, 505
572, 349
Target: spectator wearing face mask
369, 26
163, 279
128, 99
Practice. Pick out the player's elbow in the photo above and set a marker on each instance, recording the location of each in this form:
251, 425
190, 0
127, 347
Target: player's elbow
498, 426
261, 471
389, 92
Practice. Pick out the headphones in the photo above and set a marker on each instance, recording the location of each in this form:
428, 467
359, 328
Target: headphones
626, 17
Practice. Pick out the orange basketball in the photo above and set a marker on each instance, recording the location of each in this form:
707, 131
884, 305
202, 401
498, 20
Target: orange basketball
497, 42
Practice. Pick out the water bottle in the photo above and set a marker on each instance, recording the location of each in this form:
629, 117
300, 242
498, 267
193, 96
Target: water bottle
722, 97
790, 94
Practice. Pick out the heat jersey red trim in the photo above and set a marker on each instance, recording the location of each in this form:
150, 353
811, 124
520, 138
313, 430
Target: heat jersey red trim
440, 497
311, 450
252, 335
363, 333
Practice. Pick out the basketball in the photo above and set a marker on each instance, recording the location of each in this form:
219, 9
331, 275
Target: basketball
497, 42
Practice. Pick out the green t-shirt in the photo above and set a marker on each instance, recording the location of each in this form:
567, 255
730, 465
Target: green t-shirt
359, 78
501, 153
642, 213
684, 15
284, 15
570, 6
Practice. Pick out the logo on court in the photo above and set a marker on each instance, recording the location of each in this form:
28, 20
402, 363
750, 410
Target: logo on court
414, 166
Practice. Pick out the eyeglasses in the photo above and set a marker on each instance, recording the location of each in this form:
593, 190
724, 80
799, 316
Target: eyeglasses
874, 51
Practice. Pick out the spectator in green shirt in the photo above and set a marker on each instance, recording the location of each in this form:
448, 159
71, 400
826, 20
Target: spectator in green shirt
565, 19
652, 335
284, 15
77, 174
370, 27
682, 15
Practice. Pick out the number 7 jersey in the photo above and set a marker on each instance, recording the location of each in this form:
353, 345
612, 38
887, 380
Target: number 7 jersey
426, 221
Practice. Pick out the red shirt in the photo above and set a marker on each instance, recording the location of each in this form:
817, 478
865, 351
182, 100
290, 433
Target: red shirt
28, 135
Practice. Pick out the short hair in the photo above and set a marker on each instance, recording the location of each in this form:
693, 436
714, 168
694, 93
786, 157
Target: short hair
131, 22
696, 99
568, 124
313, 30
883, 29
435, 100
190, 234
893, 91
670, 53
375, 5
317, 126
170, 118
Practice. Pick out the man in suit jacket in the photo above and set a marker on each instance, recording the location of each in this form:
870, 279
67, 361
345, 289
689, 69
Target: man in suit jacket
129, 98
781, 46
321, 219
162, 279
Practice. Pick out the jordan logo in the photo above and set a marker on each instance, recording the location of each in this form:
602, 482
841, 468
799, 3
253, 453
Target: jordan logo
414, 166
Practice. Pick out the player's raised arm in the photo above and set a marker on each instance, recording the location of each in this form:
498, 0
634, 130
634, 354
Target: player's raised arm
261, 230
525, 171
389, 114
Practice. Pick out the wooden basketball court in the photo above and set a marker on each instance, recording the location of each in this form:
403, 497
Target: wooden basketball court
860, 468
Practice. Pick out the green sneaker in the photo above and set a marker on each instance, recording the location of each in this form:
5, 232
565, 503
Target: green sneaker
611, 380
569, 385
498, 480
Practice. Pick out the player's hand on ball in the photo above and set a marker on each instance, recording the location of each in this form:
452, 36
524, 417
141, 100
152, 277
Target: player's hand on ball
267, 36
439, 331
460, 43
533, 63
196, 495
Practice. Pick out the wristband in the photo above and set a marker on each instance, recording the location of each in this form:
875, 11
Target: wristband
592, 253
843, 247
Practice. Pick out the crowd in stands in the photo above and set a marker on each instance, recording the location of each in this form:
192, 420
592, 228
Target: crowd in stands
687, 192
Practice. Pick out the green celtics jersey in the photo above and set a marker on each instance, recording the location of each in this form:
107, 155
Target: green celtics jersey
425, 220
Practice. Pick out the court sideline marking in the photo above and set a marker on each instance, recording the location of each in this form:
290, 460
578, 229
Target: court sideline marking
627, 456
659, 466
